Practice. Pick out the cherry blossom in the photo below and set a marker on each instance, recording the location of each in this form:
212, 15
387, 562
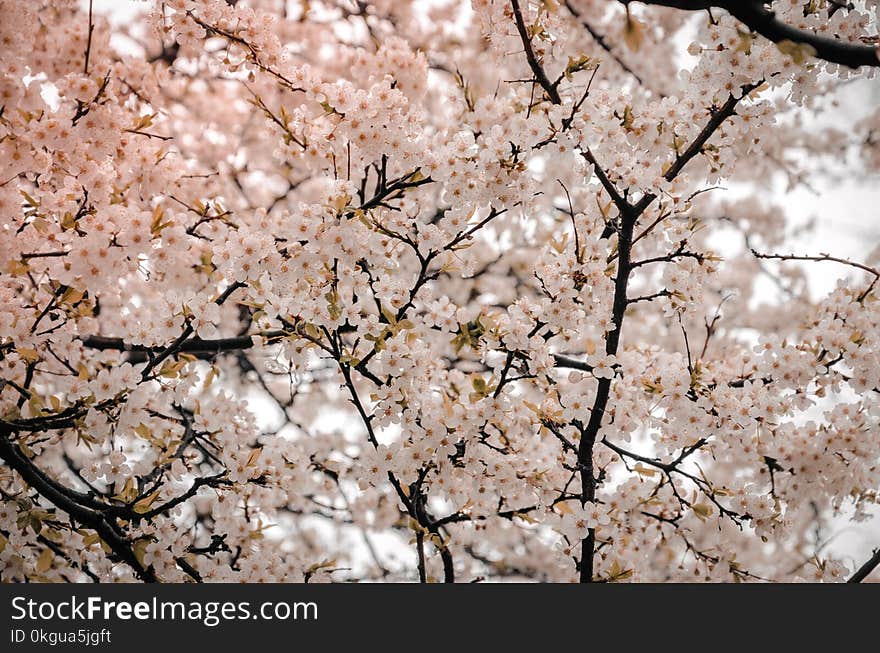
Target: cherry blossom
470, 290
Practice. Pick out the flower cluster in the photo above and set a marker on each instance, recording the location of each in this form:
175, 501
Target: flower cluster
365, 291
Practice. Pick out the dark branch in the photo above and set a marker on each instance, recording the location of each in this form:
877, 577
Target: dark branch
762, 20
534, 64
865, 570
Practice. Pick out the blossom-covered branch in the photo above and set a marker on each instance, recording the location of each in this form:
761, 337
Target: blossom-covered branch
355, 292
758, 18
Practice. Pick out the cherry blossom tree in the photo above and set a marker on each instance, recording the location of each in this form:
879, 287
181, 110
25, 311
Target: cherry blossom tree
431, 290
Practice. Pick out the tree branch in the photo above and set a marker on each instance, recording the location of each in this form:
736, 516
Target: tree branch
534, 64
15, 458
865, 570
759, 19
191, 346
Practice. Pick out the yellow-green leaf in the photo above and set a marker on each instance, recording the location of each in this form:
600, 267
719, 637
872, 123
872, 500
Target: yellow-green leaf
144, 504
44, 561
